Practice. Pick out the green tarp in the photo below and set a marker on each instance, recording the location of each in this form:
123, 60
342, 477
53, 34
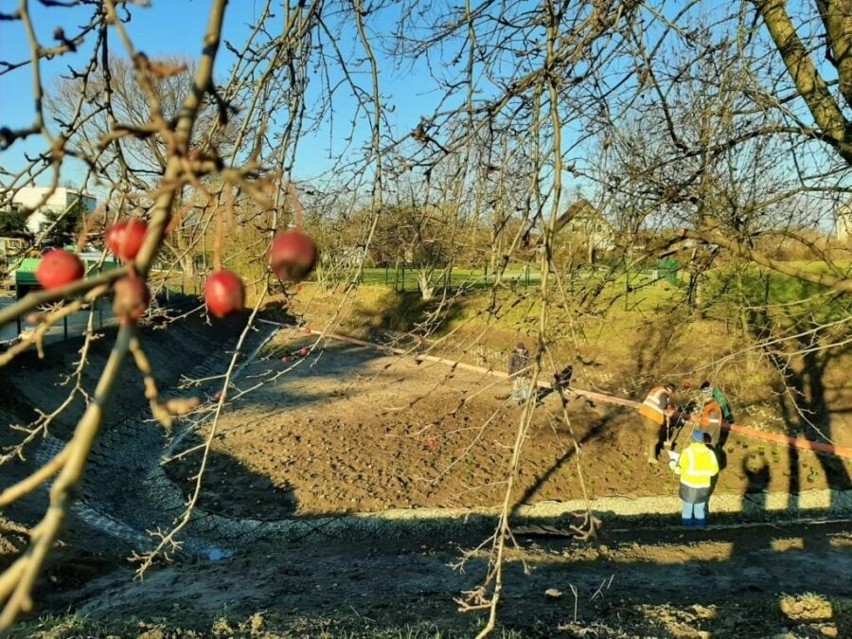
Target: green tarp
25, 273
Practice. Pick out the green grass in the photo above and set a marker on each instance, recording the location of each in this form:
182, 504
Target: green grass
621, 298
787, 300
406, 279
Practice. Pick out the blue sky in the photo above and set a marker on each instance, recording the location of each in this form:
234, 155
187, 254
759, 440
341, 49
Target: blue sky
176, 27
178, 30
173, 27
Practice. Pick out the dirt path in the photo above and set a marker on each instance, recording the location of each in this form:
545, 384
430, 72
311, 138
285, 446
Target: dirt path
730, 582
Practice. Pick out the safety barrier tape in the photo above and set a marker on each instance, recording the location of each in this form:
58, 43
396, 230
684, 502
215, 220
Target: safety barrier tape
775, 438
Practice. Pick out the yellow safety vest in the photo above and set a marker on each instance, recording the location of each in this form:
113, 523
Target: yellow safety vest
698, 465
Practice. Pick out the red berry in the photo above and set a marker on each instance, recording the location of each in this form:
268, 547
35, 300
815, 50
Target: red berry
224, 293
292, 255
285, 359
131, 299
125, 238
303, 352
58, 267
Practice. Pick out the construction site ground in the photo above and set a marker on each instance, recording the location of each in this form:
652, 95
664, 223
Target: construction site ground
354, 493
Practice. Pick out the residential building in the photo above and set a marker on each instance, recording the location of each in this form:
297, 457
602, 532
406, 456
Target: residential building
42, 200
584, 226
11, 248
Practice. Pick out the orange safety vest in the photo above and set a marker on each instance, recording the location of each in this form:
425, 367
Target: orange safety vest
711, 415
698, 465
655, 405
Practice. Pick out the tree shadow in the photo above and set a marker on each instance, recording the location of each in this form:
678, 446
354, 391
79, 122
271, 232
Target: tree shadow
808, 414
396, 573
801, 393
229, 488
600, 427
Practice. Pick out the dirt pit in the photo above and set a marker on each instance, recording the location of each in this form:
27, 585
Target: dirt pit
346, 433
347, 428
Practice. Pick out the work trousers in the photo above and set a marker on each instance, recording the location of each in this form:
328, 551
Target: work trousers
655, 436
521, 388
697, 511
694, 505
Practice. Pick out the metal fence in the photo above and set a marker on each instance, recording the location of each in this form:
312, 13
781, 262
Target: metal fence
100, 315
406, 277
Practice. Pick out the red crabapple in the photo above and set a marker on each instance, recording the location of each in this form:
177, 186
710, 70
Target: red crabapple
125, 238
224, 293
131, 299
58, 267
292, 255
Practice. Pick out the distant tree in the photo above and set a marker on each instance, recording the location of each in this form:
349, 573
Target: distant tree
13, 224
111, 97
64, 227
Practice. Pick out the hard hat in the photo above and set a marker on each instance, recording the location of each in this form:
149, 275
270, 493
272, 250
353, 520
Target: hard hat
520, 346
698, 435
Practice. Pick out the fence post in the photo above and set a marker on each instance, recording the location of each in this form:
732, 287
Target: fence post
65, 327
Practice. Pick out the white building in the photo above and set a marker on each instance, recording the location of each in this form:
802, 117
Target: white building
33, 197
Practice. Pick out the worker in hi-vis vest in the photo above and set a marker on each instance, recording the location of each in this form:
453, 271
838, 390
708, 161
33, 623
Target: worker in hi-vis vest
711, 419
657, 409
697, 466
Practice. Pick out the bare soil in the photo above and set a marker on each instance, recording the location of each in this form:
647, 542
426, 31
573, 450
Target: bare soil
346, 433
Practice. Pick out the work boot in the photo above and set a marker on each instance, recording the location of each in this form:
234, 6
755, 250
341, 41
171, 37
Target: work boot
652, 454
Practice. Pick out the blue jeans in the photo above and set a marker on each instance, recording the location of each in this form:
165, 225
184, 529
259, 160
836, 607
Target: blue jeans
521, 389
690, 510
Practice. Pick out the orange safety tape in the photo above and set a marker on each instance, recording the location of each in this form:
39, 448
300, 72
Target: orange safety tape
776, 438
796, 442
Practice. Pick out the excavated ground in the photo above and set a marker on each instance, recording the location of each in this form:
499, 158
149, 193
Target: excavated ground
342, 486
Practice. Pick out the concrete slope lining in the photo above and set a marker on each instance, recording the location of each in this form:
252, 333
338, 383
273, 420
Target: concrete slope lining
111, 501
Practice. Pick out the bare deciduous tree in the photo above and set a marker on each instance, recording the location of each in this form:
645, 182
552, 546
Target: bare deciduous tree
703, 130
